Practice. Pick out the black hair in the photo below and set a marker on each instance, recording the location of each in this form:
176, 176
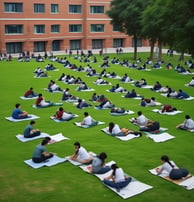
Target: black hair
86, 114
39, 95
60, 109
139, 113
17, 105
102, 156
77, 144
114, 167
46, 140
187, 117
111, 126
32, 122
165, 158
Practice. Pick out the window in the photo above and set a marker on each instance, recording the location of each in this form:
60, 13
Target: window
115, 28
75, 28
96, 9
117, 43
15, 47
139, 42
75, 9
55, 45
13, 29
39, 29
75, 44
54, 8
97, 28
55, 28
39, 46
13, 7
97, 44
39, 8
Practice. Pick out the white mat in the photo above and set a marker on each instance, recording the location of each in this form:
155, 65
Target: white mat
133, 188
28, 98
32, 117
167, 113
57, 138
101, 108
136, 98
54, 91
51, 162
186, 183
86, 90
123, 138
24, 139
59, 120
189, 98
121, 114
161, 137
87, 126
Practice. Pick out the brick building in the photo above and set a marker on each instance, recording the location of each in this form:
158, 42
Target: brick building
46, 25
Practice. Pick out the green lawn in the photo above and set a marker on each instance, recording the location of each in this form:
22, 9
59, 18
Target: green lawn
65, 182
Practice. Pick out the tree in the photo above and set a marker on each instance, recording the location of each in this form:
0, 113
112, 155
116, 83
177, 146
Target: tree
126, 14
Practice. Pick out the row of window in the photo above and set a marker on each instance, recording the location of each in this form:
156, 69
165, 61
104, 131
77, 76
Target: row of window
54, 8
40, 46
40, 29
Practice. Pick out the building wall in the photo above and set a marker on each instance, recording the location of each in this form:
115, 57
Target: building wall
63, 18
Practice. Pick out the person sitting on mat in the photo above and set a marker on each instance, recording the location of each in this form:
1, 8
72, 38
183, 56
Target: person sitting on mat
117, 179
151, 126
30, 132
88, 120
30, 93
187, 125
18, 113
40, 102
82, 103
81, 155
169, 166
40, 154
115, 130
118, 110
62, 115
99, 165
141, 120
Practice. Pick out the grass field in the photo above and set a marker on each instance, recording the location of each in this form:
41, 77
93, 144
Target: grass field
65, 182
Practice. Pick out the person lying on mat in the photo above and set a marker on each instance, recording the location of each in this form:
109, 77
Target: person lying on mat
187, 125
61, 114
81, 155
182, 95
115, 130
99, 164
67, 96
30, 93
131, 94
191, 83
18, 113
40, 102
141, 120
40, 154
106, 104
82, 86
148, 102
151, 126
168, 108
169, 166
82, 103
118, 110
88, 120
117, 179
30, 132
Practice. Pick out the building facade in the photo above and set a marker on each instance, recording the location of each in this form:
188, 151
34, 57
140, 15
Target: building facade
46, 25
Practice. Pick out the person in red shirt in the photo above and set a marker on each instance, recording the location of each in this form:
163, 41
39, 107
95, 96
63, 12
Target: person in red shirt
30, 93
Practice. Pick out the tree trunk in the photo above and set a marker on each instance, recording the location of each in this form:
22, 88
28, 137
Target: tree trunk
151, 49
160, 51
135, 47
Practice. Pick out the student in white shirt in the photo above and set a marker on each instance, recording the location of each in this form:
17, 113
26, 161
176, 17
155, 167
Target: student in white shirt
191, 83
171, 168
187, 125
81, 155
117, 179
141, 120
88, 120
